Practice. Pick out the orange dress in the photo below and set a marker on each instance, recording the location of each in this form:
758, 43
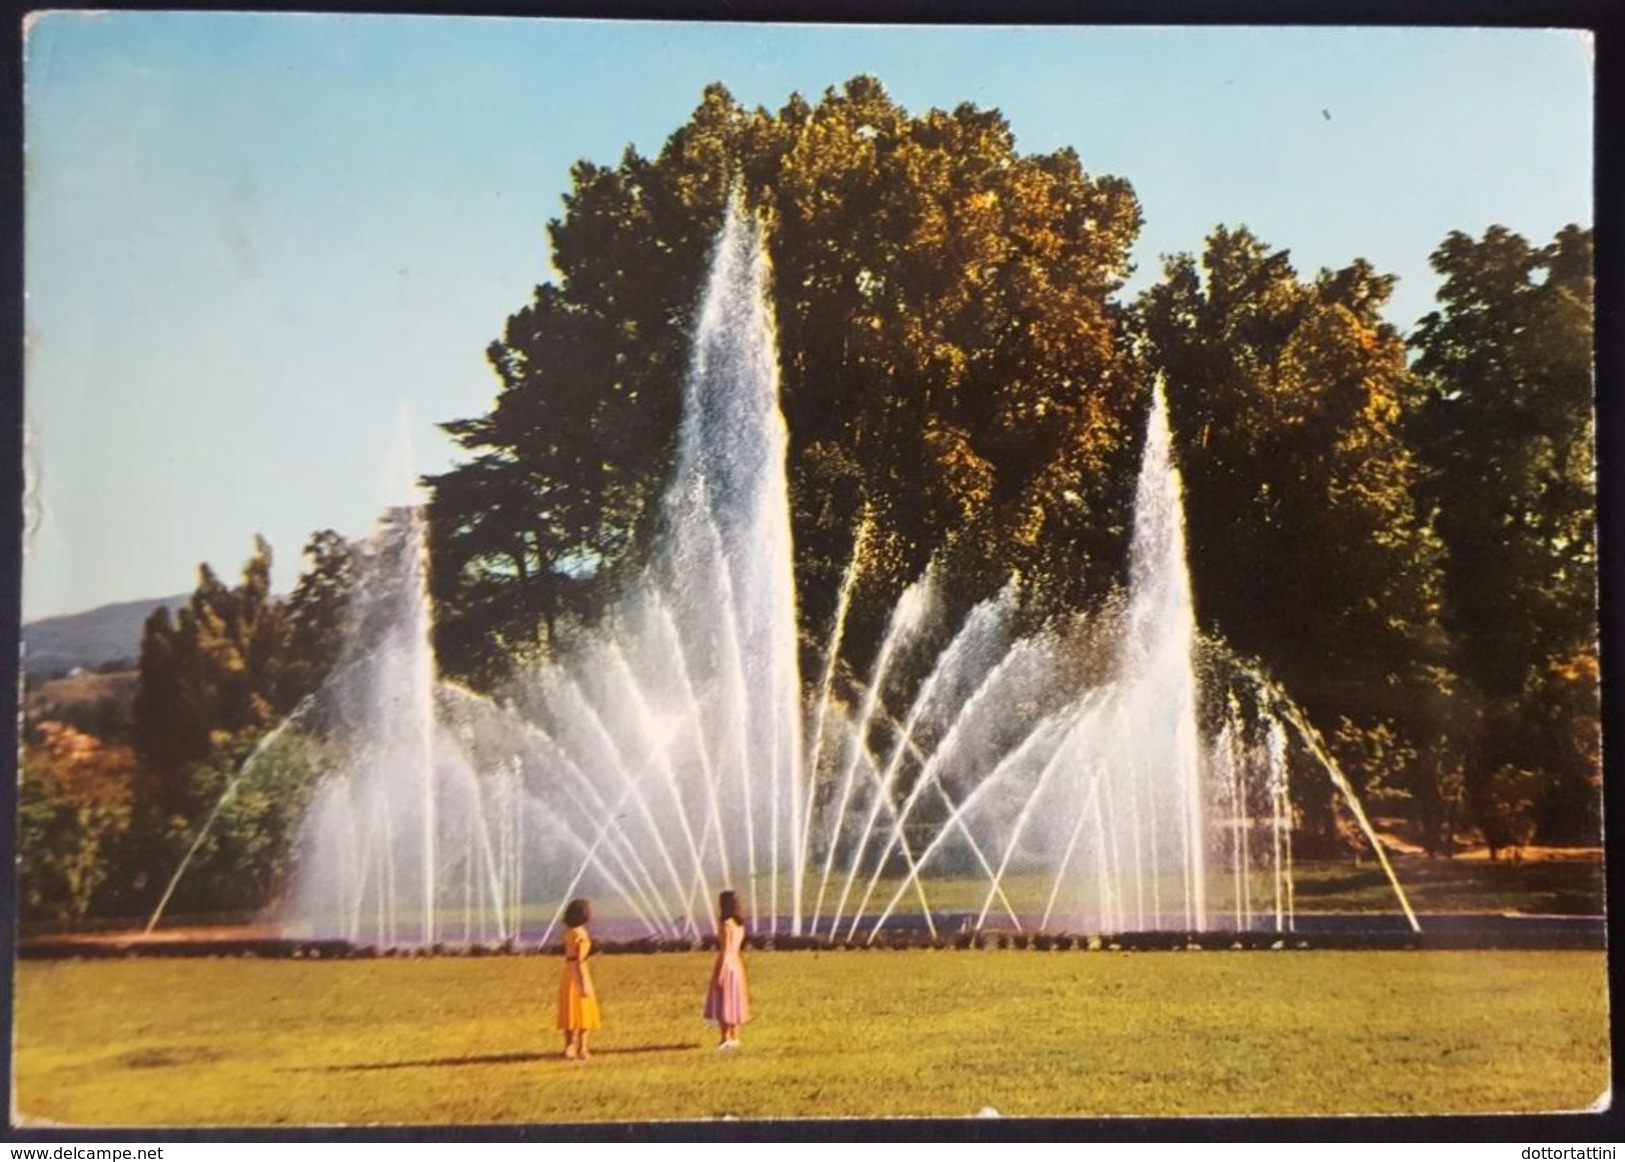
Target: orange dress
578, 1000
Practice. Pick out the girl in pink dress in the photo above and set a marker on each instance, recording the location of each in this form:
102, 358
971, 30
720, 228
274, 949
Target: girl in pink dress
727, 1000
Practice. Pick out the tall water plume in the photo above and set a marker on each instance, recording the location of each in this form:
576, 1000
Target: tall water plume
373, 836
1158, 683
727, 571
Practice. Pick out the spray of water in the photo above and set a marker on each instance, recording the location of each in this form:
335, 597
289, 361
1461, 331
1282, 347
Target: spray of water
662, 756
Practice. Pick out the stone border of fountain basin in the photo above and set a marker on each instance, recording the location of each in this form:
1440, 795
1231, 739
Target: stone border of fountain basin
1324, 931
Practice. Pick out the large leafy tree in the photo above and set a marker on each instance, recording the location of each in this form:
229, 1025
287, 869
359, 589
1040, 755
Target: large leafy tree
1307, 550
73, 812
238, 659
209, 670
1506, 437
214, 678
948, 348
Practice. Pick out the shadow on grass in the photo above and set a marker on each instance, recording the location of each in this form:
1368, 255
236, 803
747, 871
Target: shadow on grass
484, 1059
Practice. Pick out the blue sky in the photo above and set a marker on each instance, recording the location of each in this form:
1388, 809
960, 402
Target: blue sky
264, 254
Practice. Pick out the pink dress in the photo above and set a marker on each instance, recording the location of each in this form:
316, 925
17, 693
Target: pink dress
727, 1001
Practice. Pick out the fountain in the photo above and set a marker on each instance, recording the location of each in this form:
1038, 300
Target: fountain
1060, 781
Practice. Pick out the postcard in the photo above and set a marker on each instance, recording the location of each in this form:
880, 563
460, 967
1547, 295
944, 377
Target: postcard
610, 571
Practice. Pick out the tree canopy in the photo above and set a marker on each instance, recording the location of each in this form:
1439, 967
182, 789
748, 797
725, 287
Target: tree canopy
1506, 436
215, 677
950, 352
957, 364
1288, 397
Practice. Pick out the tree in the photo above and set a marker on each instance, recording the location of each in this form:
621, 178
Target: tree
1307, 550
318, 617
210, 670
229, 666
949, 362
73, 809
262, 787
1505, 435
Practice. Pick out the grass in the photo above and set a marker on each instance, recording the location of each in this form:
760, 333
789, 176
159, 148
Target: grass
837, 1034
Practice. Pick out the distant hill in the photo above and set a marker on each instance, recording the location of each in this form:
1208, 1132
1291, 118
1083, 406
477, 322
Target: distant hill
57, 645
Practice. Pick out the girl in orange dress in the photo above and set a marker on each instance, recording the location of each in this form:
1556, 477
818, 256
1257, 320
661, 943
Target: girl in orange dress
727, 1000
578, 1001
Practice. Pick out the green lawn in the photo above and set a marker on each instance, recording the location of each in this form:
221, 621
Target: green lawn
838, 1034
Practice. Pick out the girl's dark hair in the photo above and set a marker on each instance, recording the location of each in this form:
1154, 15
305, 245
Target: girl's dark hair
577, 913
729, 908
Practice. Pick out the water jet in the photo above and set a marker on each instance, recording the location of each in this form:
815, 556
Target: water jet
673, 750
